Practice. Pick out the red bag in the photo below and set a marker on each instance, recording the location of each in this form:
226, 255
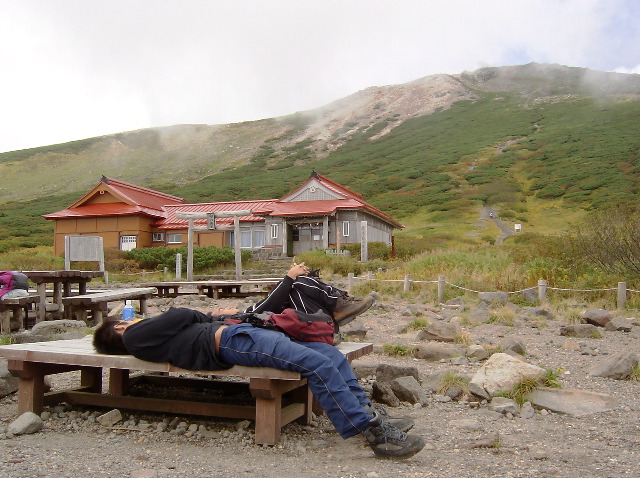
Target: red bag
318, 327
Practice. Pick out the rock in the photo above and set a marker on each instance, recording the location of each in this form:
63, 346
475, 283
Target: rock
504, 405
435, 352
50, 328
383, 393
386, 373
527, 411
514, 345
579, 330
530, 295
572, 402
539, 312
597, 317
491, 440
110, 418
617, 366
8, 383
440, 331
25, 424
619, 324
355, 333
476, 353
502, 372
409, 390
363, 371
494, 297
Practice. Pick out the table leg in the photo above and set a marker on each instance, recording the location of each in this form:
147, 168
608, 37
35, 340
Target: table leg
91, 377
5, 321
268, 410
143, 306
118, 381
30, 386
42, 305
57, 297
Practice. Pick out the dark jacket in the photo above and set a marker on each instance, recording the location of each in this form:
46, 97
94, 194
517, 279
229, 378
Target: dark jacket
182, 337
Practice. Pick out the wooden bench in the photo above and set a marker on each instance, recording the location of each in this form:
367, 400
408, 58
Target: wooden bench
215, 289
19, 307
96, 303
280, 396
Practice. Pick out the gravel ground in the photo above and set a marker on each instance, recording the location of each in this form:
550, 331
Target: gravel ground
600, 445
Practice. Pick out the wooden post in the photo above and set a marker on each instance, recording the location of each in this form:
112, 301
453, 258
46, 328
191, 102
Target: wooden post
178, 266
364, 242
338, 237
190, 249
407, 283
542, 290
441, 284
622, 295
350, 281
237, 243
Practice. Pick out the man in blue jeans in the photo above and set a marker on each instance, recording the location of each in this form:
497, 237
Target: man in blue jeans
196, 341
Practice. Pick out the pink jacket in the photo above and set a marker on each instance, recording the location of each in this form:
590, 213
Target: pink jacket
6, 280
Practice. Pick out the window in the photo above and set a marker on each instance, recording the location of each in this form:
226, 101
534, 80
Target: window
245, 239
174, 238
274, 231
157, 237
345, 228
258, 238
128, 242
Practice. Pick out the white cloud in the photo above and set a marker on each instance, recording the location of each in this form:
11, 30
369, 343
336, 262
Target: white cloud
74, 69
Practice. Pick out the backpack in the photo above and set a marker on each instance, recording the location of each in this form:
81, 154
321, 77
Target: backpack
318, 327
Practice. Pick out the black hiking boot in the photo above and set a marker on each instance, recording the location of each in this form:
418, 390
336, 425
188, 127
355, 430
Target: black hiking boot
348, 308
387, 441
402, 424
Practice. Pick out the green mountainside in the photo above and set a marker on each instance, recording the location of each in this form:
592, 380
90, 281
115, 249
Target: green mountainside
539, 144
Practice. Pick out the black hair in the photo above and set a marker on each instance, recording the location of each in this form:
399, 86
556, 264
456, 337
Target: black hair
107, 341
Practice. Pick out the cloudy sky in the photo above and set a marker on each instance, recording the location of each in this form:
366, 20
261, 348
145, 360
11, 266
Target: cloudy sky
73, 69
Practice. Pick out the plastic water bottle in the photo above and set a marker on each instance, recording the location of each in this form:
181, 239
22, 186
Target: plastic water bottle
127, 312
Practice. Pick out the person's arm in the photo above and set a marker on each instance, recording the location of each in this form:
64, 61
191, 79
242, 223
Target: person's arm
278, 298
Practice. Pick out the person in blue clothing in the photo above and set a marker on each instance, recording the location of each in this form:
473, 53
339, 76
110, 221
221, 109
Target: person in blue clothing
194, 340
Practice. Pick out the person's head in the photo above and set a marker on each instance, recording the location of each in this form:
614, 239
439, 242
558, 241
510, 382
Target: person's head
107, 338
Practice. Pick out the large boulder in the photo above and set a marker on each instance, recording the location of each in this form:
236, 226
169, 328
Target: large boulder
501, 373
597, 317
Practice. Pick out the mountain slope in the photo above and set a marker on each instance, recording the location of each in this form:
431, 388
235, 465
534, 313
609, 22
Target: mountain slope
521, 138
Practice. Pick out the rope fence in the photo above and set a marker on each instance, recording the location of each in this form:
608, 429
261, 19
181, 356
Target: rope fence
542, 287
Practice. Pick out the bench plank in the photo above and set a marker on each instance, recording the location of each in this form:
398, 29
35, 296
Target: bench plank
32, 362
97, 302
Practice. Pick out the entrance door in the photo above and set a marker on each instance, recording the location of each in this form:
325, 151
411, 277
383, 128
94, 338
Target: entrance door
128, 242
307, 237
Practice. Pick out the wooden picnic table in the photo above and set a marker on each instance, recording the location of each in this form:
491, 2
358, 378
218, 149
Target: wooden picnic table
280, 396
62, 281
216, 289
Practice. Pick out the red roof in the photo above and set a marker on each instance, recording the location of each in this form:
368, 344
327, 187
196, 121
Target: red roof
133, 200
103, 209
170, 220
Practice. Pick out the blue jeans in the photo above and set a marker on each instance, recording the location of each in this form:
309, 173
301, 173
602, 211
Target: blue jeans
327, 371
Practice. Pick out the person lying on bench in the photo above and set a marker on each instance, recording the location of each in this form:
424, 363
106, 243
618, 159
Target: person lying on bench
302, 291
193, 340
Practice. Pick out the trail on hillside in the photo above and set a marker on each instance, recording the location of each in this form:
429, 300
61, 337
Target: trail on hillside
506, 228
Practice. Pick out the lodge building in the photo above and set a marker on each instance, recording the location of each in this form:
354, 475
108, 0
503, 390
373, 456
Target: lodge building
320, 214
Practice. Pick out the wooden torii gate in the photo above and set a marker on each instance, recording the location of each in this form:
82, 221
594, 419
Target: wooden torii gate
211, 225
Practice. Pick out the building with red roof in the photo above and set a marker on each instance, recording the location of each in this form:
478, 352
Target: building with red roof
318, 215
